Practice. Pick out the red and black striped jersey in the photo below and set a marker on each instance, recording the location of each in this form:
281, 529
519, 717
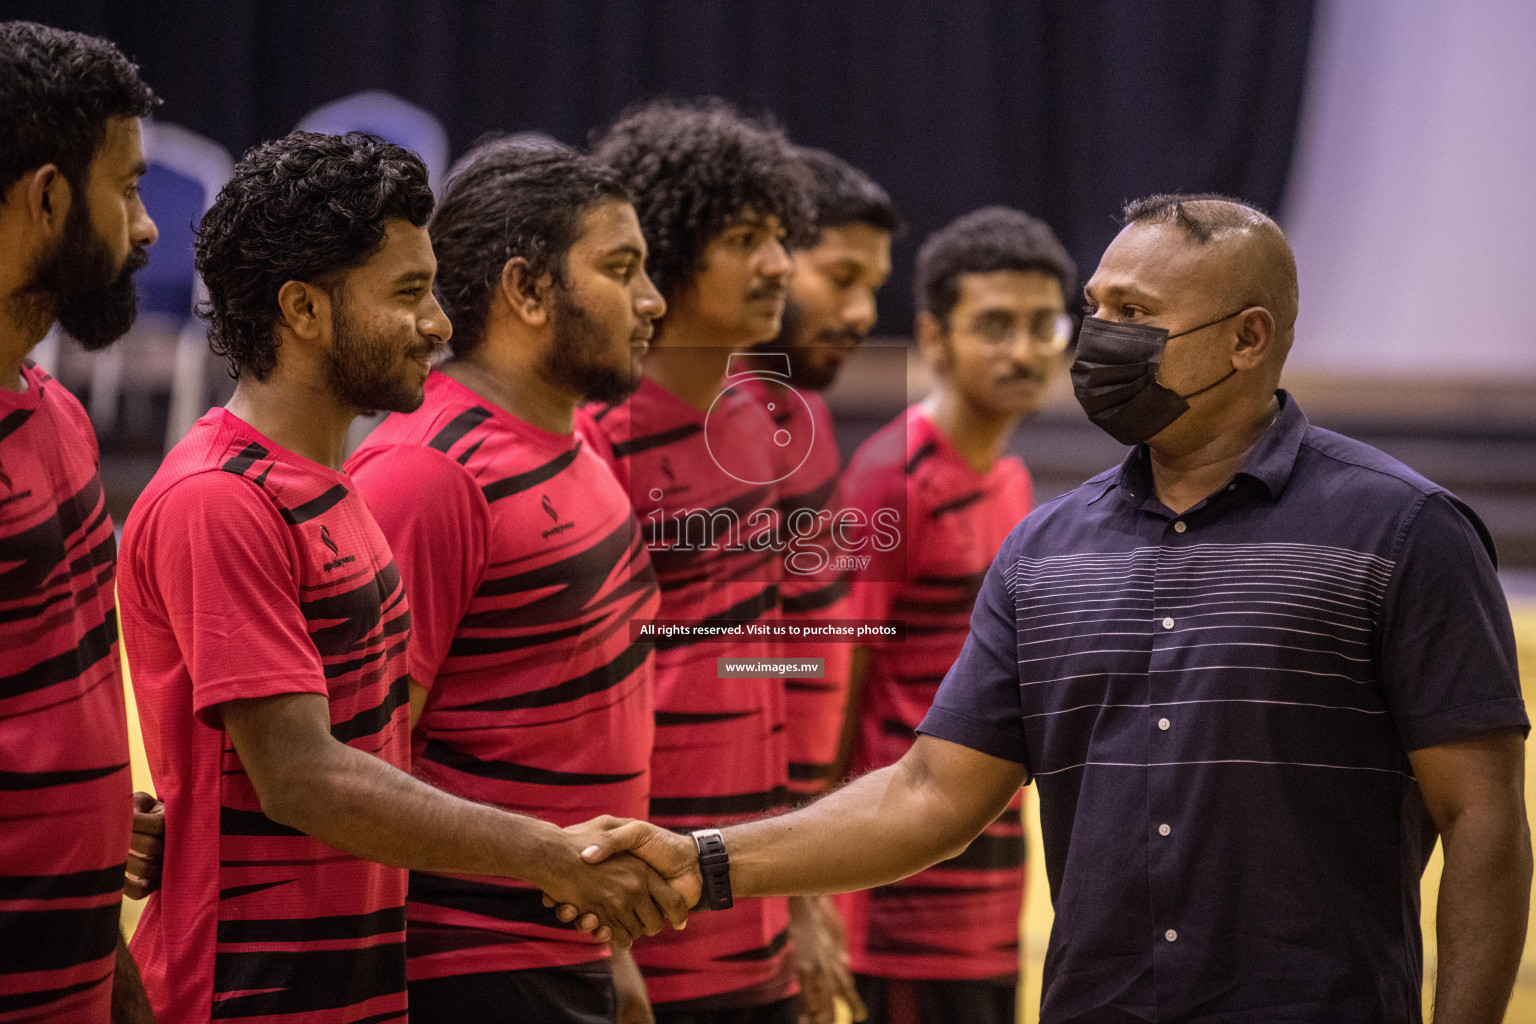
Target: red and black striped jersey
720, 751
64, 786
960, 918
815, 586
524, 565
250, 571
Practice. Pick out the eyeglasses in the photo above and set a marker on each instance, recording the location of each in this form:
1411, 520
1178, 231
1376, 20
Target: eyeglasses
1049, 331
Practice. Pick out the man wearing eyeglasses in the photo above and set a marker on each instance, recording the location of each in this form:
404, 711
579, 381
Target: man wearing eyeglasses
992, 324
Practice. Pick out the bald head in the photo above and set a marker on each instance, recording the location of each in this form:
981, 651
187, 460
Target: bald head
1245, 253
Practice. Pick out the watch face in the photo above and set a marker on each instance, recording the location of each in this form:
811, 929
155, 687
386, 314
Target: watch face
754, 459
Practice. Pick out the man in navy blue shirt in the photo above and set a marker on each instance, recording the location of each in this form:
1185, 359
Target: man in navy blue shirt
1255, 671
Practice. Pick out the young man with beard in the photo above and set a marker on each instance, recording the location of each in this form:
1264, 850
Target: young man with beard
72, 233
992, 323
267, 626
524, 565
829, 310
717, 194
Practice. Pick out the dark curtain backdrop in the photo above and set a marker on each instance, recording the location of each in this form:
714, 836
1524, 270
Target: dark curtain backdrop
1064, 108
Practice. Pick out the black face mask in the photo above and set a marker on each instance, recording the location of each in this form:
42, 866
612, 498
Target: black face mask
1115, 378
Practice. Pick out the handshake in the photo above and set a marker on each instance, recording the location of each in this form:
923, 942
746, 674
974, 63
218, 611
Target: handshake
619, 878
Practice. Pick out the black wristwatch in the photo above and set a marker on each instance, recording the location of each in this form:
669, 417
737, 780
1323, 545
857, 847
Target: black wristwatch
715, 866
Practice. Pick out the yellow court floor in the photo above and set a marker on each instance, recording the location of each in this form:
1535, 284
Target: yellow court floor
1037, 906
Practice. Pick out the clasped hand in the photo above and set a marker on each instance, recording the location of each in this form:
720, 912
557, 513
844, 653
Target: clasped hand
630, 876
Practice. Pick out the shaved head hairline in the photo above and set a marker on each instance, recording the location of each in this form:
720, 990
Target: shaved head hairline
1260, 266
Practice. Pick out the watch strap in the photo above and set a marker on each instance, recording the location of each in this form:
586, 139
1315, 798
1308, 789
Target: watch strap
715, 867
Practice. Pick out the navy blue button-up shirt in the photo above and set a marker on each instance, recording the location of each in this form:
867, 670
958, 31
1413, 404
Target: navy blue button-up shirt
1217, 708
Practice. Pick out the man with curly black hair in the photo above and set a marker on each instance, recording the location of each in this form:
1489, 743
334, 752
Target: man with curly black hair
267, 626
991, 290
524, 564
718, 194
828, 312
72, 233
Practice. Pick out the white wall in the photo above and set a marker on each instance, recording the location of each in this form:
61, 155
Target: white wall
1412, 197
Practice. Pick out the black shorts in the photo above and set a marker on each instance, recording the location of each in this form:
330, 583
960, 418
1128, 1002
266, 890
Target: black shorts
898, 1001
581, 994
783, 1011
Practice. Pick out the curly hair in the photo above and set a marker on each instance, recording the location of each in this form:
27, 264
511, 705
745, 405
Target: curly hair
509, 197
58, 89
306, 207
843, 194
980, 242
694, 169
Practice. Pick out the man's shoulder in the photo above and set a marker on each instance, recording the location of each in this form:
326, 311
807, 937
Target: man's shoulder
879, 464
1065, 523
451, 420
222, 470
1353, 477
1073, 505
179, 491
65, 407
1371, 469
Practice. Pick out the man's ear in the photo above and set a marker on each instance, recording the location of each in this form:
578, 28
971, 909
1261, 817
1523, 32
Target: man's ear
525, 294
306, 309
930, 341
1255, 338
47, 196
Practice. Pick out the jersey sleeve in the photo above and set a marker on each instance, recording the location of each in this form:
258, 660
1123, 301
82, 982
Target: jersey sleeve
220, 559
1446, 643
978, 703
436, 521
871, 492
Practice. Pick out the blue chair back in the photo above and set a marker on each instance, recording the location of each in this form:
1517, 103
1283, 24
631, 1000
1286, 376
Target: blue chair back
391, 118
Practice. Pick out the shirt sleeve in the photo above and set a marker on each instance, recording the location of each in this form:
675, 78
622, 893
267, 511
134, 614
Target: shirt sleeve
437, 522
978, 703
878, 491
1446, 644
223, 564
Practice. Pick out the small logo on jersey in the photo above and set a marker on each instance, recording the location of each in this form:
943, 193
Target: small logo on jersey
340, 559
672, 487
549, 510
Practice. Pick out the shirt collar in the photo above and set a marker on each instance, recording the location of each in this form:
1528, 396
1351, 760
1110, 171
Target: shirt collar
1269, 462
1273, 457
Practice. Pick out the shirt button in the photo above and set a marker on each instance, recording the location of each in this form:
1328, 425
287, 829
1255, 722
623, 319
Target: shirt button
1163, 830
1167, 623
1231, 487
1179, 527
1163, 724
1171, 935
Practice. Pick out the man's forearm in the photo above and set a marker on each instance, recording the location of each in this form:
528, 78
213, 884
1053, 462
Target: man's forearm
881, 827
365, 807
1481, 918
